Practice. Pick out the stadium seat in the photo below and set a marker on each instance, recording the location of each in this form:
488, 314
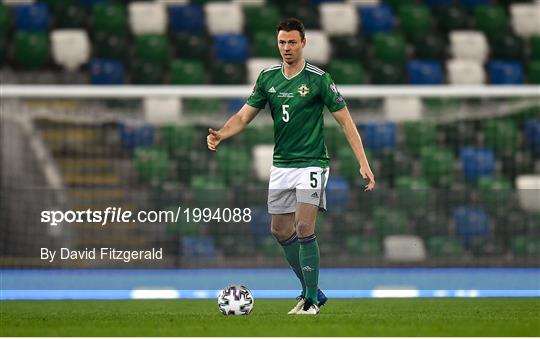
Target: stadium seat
151, 164
187, 72
228, 73
534, 42
473, 4
348, 47
339, 18
495, 194
262, 158
259, 135
187, 18
451, 18
376, 19
525, 19
337, 193
437, 165
133, 137
198, 247
160, 110
396, 4
33, 17
152, 48
303, 11
233, 48
528, 187
471, 224
5, 19
71, 16
506, 46
348, 165
109, 17
477, 163
261, 18
31, 49
224, 18
259, 225
465, 72
505, 72
265, 45
106, 72
389, 47
491, 19
208, 191
177, 138
444, 247
191, 46
413, 194
318, 49
363, 247
256, 65
70, 47
415, 21
378, 136
533, 75
469, 45
392, 164
387, 221
430, 46
346, 72
438, 3
383, 73
147, 18
501, 135
147, 73
404, 248
419, 134
424, 72
400, 109
532, 135
109, 45
523, 246
234, 164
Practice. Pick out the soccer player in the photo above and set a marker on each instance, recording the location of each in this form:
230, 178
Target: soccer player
296, 92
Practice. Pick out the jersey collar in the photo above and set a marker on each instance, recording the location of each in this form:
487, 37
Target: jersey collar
300, 71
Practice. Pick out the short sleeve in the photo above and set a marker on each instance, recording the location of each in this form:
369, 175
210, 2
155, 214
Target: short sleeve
330, 94
257, 98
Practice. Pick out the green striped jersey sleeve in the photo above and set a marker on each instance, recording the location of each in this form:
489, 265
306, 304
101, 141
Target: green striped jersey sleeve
330, 94
257, 98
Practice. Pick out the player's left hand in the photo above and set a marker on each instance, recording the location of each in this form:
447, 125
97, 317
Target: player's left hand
366, 173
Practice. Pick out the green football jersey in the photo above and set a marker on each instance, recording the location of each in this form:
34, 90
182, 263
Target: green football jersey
296, 105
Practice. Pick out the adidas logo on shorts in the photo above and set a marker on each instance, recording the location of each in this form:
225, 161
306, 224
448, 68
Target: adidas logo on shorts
315, 195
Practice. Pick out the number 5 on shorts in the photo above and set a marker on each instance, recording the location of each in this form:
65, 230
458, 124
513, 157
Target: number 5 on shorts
313, 179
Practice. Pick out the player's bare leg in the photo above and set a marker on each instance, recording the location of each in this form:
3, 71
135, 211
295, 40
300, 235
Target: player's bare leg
305, 219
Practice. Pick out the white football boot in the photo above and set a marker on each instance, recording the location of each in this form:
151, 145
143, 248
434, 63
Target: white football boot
298, 306
309, 308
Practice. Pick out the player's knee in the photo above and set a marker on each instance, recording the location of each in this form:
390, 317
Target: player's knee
279, 232
304, 229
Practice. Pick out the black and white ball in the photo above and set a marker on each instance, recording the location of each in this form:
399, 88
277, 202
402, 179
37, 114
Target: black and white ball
235, 300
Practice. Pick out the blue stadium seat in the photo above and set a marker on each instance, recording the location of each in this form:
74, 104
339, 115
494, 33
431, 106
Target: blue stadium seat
424, 72
234, 105
106, 72
232, 48
532, 135
197, 247
471, 223
505, 72
337, 194
438, 3
471, 4
133, 137
92, 2
375, 19
32, 17
477, 162
188, 18
378, 136
260, 223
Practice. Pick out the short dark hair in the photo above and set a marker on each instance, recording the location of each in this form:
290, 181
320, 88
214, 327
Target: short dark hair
292, 24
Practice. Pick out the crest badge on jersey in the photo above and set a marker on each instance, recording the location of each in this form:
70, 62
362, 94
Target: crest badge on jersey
303, 90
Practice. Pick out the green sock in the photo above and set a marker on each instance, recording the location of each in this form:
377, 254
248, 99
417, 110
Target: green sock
309, 261
291, 247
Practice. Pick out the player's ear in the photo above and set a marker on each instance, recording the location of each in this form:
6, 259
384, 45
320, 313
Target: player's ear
304, 43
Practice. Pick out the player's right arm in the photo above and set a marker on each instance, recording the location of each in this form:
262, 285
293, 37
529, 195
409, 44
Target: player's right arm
233, 126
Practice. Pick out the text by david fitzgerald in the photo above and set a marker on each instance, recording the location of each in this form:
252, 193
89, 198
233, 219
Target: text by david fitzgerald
103, 253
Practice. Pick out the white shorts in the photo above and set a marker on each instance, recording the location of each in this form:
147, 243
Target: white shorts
289, 186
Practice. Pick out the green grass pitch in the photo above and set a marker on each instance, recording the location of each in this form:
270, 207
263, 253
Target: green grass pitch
340, 317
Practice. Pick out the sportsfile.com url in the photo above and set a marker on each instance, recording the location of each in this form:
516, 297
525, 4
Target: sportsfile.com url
119, 215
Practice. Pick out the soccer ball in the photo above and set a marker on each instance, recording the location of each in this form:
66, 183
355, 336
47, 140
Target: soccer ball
235, 300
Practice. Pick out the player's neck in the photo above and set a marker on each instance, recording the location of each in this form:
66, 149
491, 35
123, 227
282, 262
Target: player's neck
292, 69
